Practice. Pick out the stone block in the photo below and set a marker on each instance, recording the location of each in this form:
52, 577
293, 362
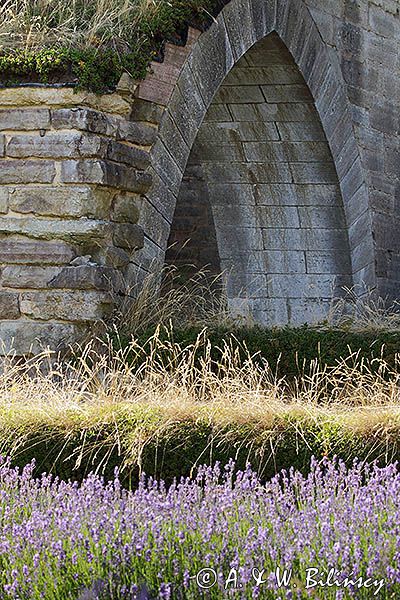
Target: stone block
115, 257
383, 23
26, 171
277, 113
136, 133
217, 113
83, 119
249, 172
104, 173
56, 145
9, 305
83, 277
165, 166
238, 20
285, 261
328, 263
301, 132
313, 172
128, 236
17, 276
72, 230
124, 153
287, 151
211, 60
298, 195
25, 119
173, 141
286, 93
25, 337
62, 201
161, 197
277, 216
66, 305
301, 286
125, 208
278, 76
243, 94
326, 217
309, 310
263, 17
19, 250
4, 195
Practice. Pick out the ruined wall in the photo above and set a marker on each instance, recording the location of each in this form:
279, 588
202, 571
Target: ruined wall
89, 186
71, 175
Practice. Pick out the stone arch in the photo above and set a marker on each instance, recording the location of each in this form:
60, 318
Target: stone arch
239, 26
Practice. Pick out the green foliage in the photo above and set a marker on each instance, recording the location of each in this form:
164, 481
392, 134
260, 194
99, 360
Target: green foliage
175, 453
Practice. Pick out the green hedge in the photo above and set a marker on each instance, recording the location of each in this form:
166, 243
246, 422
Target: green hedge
288, 350
194, 442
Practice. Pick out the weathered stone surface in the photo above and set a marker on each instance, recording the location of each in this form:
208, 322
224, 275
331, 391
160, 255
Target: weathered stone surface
129, 155
128, 236
77, 230
85, 277
104, 173
115, 257
137, 133
69, 306
57, 145
17, 119
4, 194
19, 250
125, 208
26, 171
71, 201
31, 337
9, 306
22, 276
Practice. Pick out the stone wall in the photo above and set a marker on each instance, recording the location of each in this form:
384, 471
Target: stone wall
90, 187
72, 170
263, 163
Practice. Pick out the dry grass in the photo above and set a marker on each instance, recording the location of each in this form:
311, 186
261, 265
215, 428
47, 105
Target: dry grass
140, 404
82, 23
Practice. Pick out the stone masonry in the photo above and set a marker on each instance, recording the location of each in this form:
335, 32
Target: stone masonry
271, 139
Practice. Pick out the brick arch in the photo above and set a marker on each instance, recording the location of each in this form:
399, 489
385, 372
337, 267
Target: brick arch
239, 26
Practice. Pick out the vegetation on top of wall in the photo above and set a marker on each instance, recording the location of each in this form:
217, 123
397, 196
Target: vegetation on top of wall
91, 42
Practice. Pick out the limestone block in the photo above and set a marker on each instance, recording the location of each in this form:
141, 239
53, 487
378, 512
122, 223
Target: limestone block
4, 195
105, 173
24, 119
136, 133
238, 19
62, 201
129, 155
77, 230
21, 276
57, 145
19, 250
115, 257
66, 305
26, 171
125, 208
83, 277
9, 305
84, 119
31, 337
128, 236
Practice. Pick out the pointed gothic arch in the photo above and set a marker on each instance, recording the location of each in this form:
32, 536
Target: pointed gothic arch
240, 27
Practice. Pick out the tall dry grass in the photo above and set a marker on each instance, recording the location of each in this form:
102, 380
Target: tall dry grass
120, 24
138, 402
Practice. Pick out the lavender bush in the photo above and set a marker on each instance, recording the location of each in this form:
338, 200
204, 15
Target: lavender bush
221, 535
